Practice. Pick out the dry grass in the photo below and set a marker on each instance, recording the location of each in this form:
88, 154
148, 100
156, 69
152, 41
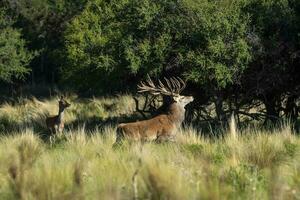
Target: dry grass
81, 164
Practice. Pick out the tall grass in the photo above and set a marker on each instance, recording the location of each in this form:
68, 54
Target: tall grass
81, 163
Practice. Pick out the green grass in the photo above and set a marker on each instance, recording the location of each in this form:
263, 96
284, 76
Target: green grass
81, 163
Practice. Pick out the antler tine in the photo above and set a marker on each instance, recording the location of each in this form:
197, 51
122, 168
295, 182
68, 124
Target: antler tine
178, 84
145, 87
175, 85
150, 87
169, 84
142, 87
183, 84
150, 82
163, 88
161, 85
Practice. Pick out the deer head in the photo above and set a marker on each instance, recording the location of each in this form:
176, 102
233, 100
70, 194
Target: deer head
172, 87
63, 104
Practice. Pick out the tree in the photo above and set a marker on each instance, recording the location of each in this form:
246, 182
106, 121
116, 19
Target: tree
117, 41
14, 57
42, 23
273, 76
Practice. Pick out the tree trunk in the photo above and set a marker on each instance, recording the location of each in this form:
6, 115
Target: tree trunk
291, 108
272, 110
219, 108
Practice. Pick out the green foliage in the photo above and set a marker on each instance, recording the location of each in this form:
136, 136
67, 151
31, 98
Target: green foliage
223, 51
14, 57
204, 40
42, 23
90, 49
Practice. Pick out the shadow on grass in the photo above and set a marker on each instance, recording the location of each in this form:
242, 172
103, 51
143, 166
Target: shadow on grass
90, 125
9, 127
98, 123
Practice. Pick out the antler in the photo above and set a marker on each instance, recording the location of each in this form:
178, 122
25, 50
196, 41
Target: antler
174, 86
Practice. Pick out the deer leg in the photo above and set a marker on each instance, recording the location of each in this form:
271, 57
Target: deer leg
159, 139
172, 138
59, 132
56, 129
165, 138
52, 134
51, 140
118, 142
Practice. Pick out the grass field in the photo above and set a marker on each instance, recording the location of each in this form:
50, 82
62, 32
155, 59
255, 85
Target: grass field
81, 163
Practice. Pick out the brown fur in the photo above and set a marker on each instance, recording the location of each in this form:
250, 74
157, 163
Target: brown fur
160, 128
52, 124
56, 123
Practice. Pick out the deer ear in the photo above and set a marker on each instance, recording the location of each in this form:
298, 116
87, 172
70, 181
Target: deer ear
61, 98
176, 98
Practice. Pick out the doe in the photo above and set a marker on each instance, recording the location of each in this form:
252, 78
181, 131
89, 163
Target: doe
56, 123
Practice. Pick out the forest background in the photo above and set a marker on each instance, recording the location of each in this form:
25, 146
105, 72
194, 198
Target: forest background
238, 56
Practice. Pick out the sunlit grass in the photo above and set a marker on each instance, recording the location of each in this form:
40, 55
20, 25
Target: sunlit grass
81, 163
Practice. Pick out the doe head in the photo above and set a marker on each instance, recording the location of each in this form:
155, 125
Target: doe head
63, 103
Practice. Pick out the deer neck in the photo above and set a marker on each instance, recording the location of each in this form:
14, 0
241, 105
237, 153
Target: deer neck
60, 115
176, 113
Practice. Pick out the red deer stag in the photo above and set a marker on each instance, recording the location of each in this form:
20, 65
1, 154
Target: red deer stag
164, 126
56, 123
